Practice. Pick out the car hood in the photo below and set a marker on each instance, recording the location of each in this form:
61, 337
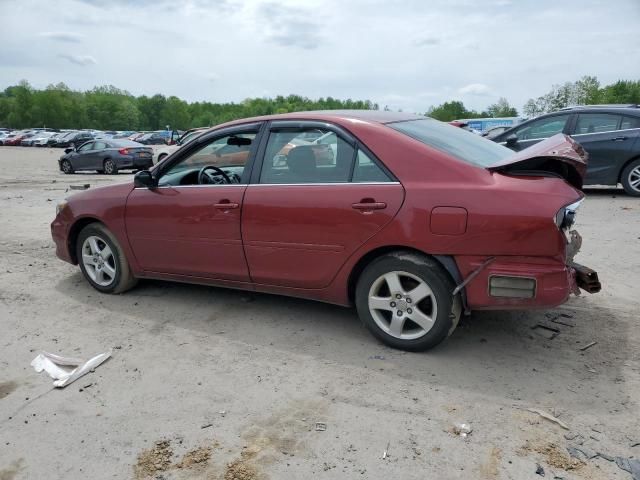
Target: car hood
559, 155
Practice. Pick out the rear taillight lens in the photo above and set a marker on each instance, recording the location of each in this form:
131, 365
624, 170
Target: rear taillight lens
123, 151
566, 216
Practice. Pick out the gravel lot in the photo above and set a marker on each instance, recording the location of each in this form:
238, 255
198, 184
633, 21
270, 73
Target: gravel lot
220, 384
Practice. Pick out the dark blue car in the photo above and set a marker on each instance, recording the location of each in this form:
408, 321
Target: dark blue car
106, 156
609, 133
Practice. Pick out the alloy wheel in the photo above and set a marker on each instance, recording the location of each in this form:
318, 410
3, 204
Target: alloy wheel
99, 261
402, 305
108, 167
634, 178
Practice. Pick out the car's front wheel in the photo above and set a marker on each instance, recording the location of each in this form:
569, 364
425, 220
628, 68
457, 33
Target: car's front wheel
631, 178
102, 260
66, 167
406, 301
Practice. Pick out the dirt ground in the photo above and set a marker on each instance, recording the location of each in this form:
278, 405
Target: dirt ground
208, 383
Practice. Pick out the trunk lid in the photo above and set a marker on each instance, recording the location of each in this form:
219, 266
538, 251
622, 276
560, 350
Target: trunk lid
559, 155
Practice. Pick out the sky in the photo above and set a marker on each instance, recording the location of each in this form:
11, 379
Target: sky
406, 54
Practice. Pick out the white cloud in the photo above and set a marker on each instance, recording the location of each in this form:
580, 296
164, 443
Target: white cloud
409, 54
477, 89
82, 60
70, 37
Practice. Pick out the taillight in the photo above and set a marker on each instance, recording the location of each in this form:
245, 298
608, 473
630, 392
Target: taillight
123, 151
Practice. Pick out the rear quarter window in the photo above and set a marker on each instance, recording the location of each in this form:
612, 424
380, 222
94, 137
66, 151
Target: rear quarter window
459, 143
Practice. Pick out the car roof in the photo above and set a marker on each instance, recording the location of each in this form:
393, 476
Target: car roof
122, 142
367, 116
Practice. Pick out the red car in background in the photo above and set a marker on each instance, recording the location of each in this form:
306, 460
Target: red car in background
17, 138
413, 221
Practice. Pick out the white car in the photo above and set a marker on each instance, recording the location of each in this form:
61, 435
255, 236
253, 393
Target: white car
40, 140
164, 151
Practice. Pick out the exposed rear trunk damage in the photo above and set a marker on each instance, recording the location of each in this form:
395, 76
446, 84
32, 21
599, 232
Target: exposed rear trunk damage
558, 156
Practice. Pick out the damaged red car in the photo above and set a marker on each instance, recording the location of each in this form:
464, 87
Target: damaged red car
411, 220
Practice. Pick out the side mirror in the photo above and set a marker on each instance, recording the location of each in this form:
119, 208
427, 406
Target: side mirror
144, 179
68, 150
512, 140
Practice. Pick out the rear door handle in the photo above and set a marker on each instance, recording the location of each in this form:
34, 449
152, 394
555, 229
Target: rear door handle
369, 206
619, 139
225, 205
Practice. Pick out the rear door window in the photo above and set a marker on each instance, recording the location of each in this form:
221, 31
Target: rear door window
291, 157
366, 170
597, 123
629, 122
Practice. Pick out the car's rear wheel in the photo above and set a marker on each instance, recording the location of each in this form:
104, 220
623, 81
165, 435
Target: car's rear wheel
631, 178
102, 260
406, 301
161, 157
110, 167
66, 167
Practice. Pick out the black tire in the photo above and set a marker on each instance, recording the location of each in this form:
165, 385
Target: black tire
110, 167
123, 279
66, 167
631, 173
427, 270
161, 157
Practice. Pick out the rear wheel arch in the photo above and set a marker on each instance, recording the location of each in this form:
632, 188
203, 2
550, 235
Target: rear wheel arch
625, 165
445, 261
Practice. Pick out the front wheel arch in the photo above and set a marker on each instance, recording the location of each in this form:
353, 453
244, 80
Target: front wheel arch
74, 231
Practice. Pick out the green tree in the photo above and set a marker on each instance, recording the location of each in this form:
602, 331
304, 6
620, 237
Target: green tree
502, 108
451, 111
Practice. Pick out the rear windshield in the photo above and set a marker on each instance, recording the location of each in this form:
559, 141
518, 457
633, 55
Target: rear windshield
455, 141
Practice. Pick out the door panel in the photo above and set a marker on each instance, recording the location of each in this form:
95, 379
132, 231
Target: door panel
609, 147
300, 235
608, 152
185, 230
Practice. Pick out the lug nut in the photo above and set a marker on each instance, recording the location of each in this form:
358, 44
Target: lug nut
393, 304
399, 313
408, 300
398, 296
409, 311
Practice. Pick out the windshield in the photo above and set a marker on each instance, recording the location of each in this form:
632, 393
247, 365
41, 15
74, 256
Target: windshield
455, 141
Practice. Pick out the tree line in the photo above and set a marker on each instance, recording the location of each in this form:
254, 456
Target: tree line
586, 91
110, 108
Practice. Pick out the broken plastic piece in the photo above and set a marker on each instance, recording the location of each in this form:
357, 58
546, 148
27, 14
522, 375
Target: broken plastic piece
66, 370
549, 417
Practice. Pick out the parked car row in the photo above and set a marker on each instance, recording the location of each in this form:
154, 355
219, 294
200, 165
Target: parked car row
46, 137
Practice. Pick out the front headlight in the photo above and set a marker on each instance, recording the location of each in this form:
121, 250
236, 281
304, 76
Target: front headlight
61, 206
566, 216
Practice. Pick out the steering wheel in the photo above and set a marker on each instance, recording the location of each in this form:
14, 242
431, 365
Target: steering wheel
205, 177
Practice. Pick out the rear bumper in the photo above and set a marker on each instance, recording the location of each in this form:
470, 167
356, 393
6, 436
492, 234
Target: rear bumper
548, 282
135, 162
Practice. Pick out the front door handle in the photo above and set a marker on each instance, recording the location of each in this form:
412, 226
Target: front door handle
369, 206
619, 139
226, 205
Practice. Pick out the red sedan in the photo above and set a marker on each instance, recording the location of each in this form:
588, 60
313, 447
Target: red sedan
413, 221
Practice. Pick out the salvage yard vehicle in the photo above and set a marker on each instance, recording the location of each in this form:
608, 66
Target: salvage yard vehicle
609, 133
413, 222
106, 156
